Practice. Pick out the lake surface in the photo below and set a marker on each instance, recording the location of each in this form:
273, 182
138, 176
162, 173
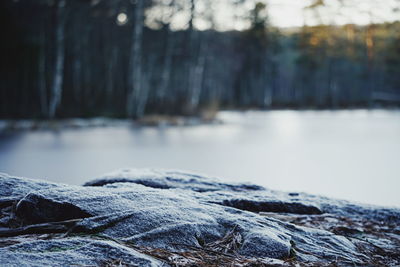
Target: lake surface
352, 155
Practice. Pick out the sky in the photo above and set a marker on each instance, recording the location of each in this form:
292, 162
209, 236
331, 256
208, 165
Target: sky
285, 13
289, 13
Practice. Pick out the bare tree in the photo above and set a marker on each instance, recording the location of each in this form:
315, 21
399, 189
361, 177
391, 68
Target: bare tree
56, 90
169, 44
42, 71
135, 62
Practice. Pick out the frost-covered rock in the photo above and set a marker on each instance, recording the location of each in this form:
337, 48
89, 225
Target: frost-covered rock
131, 216
74, 251
167, 179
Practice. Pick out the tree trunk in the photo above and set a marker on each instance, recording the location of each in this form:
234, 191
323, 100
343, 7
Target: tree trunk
197, 79
56, 91
135, 62
42, 75
144, 93
166, 72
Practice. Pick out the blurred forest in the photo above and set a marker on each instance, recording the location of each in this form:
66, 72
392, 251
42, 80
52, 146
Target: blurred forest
123, 58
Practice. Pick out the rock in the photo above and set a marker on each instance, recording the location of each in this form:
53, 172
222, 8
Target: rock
152, 217
272, 206
73, 251
12, 188
167, 179
35, 208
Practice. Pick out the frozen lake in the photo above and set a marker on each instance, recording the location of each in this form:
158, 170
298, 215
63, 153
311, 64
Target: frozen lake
353, 155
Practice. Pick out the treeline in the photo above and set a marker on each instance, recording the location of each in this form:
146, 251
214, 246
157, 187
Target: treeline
81, 58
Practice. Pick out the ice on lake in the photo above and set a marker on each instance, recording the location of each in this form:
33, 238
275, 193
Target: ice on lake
352, 155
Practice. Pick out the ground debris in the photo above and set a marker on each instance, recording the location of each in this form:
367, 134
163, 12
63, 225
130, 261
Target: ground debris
208, 258
377, 240
220, 253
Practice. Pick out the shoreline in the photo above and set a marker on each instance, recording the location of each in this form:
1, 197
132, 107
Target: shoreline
152, 120
82, 123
